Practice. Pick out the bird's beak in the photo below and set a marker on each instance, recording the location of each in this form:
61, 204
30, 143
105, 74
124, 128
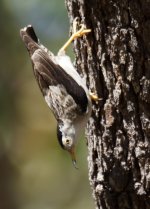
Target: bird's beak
73, 157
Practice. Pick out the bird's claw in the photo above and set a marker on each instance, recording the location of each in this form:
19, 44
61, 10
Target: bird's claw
82, 31
76, 34
94, 97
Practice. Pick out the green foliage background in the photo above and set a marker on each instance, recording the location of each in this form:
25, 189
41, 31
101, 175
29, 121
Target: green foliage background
35, 173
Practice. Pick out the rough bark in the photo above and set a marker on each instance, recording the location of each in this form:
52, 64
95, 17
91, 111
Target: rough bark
115, 58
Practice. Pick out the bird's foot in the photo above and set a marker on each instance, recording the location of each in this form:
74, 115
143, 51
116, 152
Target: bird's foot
76, 34
94, 97
82, 31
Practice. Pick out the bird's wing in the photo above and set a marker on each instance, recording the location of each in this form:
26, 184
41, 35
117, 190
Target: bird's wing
61, 103
62, 93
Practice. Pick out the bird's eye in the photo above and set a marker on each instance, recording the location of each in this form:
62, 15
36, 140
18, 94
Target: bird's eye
68, 141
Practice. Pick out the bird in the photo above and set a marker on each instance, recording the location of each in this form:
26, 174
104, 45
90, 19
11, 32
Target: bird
64, 90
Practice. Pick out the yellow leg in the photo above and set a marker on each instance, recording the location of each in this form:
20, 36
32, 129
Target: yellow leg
76, 34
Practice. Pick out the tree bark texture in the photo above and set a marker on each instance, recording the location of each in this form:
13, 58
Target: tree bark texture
115, 60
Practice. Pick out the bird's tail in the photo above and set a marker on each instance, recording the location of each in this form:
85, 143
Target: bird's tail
29, 38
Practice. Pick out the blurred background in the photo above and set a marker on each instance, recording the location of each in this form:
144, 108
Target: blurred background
35, 173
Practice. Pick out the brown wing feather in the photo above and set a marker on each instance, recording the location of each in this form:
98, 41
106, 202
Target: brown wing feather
48, 73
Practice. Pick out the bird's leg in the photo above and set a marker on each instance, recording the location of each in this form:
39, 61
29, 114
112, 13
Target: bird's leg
76, 34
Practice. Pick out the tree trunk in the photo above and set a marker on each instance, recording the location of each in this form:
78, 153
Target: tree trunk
115, 58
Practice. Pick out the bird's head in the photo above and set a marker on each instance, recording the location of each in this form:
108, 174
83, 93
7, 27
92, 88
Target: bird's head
67, 139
